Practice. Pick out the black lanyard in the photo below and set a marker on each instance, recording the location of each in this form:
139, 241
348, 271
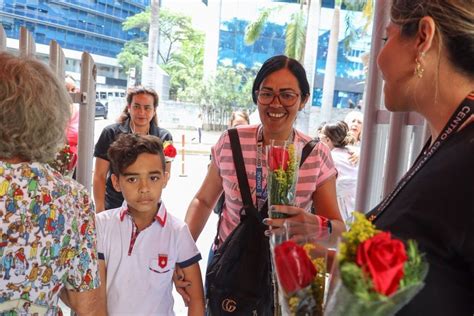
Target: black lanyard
464, 111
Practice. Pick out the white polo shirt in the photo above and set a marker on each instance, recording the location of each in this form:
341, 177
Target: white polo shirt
140, 269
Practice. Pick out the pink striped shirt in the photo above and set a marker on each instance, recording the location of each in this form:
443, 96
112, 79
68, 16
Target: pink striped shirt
316, 169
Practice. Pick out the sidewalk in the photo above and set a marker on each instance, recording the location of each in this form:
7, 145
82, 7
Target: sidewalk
191, 144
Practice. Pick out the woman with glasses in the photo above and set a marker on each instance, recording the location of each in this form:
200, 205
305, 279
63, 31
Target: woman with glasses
280, 90
139, 116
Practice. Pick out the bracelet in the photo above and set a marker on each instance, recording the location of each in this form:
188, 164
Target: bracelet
329, 223
325, 223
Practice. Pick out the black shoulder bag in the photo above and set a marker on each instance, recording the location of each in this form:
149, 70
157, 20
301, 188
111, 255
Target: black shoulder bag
239, 277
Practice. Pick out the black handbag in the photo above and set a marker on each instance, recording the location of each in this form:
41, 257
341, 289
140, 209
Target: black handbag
239, 277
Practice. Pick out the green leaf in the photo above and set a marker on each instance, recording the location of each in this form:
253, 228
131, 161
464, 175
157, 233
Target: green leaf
254, 29
296, 35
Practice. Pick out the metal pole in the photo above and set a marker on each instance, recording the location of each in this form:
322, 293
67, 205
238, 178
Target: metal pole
3, 39
374, 91
182, 157
394, 160
56, 59
86, 121
27, 43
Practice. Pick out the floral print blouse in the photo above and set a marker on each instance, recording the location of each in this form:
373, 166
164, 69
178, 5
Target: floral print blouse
47, 238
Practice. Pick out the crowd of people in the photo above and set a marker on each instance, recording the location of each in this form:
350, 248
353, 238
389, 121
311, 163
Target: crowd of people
122, 252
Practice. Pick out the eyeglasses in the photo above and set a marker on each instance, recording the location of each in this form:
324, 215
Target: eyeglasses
286, 98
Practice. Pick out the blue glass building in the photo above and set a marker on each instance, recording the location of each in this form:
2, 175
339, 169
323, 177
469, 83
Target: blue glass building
82, 25
349, 72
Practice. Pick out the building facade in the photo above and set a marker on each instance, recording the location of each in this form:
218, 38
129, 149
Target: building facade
350, 72
77, 25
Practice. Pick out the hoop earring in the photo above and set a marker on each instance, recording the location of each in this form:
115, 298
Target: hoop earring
419, 70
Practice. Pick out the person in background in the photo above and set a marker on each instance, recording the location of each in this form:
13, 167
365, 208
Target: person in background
138, 117
238, 118
427, 65
72, 132
354, 120
336, 136
199, 123
138, 270
34, 111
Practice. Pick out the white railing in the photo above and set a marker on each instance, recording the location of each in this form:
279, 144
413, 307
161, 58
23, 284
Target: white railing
85, 98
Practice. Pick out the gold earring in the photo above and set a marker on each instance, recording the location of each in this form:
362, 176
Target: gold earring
419, 70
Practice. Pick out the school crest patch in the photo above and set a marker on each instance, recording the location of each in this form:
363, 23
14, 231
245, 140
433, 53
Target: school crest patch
162, 260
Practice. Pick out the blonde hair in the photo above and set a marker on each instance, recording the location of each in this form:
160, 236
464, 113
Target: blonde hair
34, 109
454, 20
237, 114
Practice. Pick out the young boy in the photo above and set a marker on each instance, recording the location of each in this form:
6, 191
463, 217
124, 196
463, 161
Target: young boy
139, 243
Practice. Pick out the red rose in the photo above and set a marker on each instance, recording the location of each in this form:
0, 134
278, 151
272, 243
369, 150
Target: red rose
384, 259
170, 151
294, 268
278, 158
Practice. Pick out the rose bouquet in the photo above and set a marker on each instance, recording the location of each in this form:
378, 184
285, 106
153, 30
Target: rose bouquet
374, 273
299, 262
169, 151
65, 161
282, 165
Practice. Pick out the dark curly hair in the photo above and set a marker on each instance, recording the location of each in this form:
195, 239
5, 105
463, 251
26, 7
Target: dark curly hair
124, 151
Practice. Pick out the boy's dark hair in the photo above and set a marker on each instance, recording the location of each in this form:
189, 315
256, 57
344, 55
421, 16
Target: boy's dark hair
125, 149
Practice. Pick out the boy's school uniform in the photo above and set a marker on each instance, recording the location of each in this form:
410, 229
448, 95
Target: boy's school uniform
140, 265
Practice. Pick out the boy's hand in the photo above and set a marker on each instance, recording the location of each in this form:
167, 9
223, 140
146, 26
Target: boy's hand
180, 283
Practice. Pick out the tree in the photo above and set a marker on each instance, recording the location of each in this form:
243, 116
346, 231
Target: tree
230, 90
176, 35
186, 66
331, 62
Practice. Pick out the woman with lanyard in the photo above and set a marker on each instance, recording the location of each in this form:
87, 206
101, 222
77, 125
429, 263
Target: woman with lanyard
427, 66
139, 116
280, 90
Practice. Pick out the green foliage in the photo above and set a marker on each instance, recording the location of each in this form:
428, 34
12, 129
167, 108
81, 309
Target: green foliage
295, 31
132, 54
230, 90
181, 52
414, 267
254, 29
139, 21
353, 33
358, 283
186, 65
296, 36
361, 230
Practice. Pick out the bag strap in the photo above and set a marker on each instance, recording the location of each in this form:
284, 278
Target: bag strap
307, 149
242, 174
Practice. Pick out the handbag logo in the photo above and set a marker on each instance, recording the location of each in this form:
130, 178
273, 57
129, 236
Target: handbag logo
229, 305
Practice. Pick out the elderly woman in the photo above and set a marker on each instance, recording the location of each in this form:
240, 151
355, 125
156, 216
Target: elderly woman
40, 208
427, 65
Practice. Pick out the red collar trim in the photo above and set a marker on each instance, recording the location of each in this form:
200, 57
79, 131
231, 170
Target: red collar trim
160, 216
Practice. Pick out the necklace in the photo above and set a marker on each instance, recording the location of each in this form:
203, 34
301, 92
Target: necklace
133, 129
